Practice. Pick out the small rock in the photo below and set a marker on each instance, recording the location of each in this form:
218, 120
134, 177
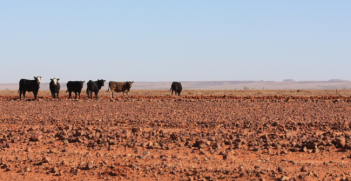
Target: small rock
111, 147
304, 169
316, 150
228, 156
8, 145
90, 165
28, 149
36, 137
284, 152
55, 170
304, 149
136, 129
46, 159
284, 178
145, 155
340, 141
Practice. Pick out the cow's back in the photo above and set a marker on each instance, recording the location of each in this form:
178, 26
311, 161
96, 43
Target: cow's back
23, 81
74, 86
177, 86
25, 84
69, 85
117, 86
92, 86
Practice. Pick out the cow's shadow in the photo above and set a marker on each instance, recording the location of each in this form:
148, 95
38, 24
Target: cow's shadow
31, 100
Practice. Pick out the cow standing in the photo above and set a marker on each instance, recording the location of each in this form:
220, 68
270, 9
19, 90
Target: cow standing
74, 86
26, 85
94, 86
119, 87
55, 88
176, 87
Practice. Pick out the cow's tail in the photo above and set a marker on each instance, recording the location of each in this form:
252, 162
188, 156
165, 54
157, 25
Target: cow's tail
108, 88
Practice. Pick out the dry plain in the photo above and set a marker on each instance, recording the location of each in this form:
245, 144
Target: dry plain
202, 135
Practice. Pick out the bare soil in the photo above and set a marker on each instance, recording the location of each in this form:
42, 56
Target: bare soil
199, 136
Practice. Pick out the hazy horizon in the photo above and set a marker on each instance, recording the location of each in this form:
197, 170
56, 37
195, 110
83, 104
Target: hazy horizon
217, 85
162, 41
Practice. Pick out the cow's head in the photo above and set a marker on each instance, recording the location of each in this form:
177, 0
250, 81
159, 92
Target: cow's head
54, 80
38, 79
130, 83
102, 82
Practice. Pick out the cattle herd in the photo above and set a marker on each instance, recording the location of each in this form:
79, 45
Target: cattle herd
26, 85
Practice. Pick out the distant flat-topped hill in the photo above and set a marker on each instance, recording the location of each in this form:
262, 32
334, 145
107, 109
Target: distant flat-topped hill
286, 84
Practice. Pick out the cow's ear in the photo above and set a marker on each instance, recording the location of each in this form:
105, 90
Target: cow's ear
58, 79
51, 79
35, 77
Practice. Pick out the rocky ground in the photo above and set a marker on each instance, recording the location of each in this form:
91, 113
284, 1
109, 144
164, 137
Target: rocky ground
171, 138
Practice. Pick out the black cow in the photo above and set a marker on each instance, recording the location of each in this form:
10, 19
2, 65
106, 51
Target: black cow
55, 88
94, 86
176, 87
29, 86
74, 86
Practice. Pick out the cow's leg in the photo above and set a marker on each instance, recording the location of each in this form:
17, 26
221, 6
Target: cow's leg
24, 95
78, 94
75, 97
20, 94
58, 94
123, 95
53, 95
35, 95
96, 95
111, 94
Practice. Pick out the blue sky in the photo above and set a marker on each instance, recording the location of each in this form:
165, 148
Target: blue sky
175, 40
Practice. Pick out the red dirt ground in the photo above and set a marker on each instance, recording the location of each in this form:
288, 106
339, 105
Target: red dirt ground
172, 138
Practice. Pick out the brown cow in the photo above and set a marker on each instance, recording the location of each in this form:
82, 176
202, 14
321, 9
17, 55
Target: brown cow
119, 87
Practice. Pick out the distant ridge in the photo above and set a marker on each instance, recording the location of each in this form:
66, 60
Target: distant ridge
336, 80
239, 85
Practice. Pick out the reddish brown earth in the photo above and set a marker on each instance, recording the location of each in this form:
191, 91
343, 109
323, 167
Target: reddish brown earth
172, 138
